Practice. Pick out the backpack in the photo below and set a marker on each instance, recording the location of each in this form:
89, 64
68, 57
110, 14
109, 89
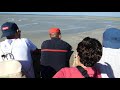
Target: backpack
6, 55
11, 69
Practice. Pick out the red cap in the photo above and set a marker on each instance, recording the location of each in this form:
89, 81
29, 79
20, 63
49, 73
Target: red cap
54, 30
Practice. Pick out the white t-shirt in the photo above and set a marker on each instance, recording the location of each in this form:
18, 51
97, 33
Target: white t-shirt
21, 50
109, 64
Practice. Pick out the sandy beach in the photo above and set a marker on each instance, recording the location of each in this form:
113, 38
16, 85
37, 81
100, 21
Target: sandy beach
73, 28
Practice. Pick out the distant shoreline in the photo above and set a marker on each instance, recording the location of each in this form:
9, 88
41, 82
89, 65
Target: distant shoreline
7, 13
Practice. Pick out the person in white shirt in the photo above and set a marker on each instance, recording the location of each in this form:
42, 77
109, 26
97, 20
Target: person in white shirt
17, 48
109, 64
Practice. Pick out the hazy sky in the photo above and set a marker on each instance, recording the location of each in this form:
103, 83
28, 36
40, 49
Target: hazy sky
114, 14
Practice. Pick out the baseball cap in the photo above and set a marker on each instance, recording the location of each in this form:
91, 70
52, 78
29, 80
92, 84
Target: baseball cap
8, 29
54, 30
111, 38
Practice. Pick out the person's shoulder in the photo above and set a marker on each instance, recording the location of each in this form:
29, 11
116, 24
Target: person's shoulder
46, 41
2, 42
68, 68
65, 69
25, 39
64, 42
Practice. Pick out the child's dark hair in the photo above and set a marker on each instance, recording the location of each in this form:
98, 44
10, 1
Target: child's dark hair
89, 51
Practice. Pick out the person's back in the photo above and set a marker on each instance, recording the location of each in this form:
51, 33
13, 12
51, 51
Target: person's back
55, 53
17, 48
73, 72
59, 57
110, 62
89, 52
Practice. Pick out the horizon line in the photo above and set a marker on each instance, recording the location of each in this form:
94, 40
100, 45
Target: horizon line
65, 13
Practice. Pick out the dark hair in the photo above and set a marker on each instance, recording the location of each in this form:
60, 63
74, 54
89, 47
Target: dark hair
90, 51
11, 37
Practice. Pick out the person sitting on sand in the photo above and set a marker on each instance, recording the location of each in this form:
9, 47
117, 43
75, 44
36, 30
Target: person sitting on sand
17, 48
111, 54
89, 52
55, 54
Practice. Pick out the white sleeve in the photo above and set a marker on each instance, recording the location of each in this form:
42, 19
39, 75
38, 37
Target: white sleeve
30, 45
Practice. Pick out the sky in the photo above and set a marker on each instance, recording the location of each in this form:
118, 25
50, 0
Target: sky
113, 14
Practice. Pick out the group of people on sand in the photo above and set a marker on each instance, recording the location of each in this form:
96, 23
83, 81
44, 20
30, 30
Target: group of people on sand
91, 58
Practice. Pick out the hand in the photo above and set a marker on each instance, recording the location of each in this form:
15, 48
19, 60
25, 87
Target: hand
76, 60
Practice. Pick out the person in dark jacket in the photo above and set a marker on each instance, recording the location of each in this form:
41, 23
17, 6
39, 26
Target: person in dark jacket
55, 54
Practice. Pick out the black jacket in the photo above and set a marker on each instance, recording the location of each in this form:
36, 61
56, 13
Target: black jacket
55, 53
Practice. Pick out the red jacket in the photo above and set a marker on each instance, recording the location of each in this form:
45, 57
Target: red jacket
73, 72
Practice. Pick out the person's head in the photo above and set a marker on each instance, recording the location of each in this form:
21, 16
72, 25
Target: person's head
89, 51
10, 30
111, 38
54, 33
